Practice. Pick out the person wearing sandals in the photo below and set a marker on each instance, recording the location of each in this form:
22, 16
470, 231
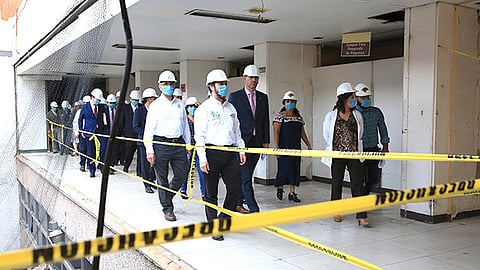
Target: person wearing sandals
289, 131
343, 130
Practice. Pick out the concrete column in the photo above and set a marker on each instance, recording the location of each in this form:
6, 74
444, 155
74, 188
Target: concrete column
193, 74
441, 107
145, 79
31, 109
286, 66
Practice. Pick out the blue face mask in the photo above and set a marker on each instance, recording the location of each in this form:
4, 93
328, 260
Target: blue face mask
289, 106
222, 91
54, 109
168, 90
353, 103
112, 105
366, 103
191, 110
97, 101
134, 102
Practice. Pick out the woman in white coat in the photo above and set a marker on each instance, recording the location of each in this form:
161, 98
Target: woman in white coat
343, 130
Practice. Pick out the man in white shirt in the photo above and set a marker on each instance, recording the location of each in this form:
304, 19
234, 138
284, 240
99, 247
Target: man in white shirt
167, 122
216, 124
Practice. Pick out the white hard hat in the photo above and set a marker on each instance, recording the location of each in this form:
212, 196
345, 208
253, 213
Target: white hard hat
117, 94
362, 90
111, 98
166, 76
289, 95
343, 88
53, 104
97, 93
65, 103
191, 101
135, 94
86, 99
149, 92
216, 75
251, 71
177, 92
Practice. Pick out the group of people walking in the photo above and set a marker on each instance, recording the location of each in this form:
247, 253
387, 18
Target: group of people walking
165, 126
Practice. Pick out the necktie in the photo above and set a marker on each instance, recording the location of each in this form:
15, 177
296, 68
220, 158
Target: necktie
95, 111
252, 102
113, 114
253, 107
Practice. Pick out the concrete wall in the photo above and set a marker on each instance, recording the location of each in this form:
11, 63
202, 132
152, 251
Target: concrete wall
193, 73
32, 108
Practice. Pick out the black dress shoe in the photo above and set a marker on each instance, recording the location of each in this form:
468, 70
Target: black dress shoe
280, 193
112, 171
148, 189
183, 195
92, 174
153, 187
82, 168
292, 196
125, 169
170, 216
218, 237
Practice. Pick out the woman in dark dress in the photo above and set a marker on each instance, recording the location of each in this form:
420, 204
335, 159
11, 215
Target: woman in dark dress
288, 129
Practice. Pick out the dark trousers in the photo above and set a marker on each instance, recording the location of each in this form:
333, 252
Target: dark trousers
147, 171
177, 158
130, 148
372, 172
82, 148
91, 152
247, 187
356, 170
224, 164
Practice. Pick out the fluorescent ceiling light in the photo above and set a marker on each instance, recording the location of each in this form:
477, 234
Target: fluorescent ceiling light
142, 47
102, 63
228, 16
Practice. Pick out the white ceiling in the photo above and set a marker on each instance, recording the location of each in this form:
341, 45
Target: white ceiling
164, 24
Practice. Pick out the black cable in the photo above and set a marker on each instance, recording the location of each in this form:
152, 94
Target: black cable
112, 141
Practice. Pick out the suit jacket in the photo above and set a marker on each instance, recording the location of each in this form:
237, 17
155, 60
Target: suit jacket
127, 122
88, 122
260, 121
139, 120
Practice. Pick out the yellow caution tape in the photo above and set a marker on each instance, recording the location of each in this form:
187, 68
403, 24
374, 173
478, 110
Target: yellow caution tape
102, 245
97, 148
323, 153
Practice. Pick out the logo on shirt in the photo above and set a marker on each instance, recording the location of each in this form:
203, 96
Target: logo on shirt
215, 115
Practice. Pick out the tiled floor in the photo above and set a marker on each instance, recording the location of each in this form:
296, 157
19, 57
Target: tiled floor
391, 243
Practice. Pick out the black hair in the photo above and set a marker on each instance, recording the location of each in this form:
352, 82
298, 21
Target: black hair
340, 105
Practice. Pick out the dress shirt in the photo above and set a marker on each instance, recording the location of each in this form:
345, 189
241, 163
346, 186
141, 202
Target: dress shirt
217, 124
166, 118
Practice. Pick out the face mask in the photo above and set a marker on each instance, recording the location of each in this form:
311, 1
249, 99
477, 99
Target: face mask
65, 108
222, 91
168, 90
352, 103
54, 109
289, 106
112, 105
191, 110
134, 102
97, 101
366, 103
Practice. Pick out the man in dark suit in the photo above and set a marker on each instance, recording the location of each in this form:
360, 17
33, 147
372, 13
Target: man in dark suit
94, 119
139, 118
252, 109
129, 132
